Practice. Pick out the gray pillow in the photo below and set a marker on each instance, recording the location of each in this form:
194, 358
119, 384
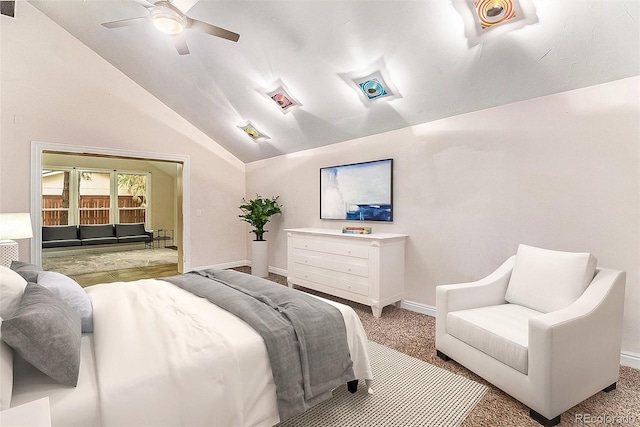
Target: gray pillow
45, 331
71, 293
26, 270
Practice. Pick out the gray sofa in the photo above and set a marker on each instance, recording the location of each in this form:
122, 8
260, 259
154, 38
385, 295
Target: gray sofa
60, 236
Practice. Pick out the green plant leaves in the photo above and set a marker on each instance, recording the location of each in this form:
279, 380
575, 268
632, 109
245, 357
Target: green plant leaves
258, 212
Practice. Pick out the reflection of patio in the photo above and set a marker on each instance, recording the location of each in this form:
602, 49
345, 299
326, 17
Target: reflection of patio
76, 262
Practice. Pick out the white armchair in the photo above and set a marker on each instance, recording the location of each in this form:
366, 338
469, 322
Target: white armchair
545, 327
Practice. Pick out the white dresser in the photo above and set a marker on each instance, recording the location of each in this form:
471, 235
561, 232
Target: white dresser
365, 268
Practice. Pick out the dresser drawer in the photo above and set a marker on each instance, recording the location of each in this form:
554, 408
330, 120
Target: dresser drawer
333, 279
339, 263
332, 247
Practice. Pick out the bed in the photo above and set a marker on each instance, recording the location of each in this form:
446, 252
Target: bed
161, 355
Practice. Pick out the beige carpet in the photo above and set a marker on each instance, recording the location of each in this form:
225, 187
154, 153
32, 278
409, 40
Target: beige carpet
414, 334
407, 393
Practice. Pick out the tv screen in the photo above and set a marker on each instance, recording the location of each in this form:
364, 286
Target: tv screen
358, 191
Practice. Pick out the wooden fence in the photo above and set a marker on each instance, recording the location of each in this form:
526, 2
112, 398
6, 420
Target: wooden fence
93, 210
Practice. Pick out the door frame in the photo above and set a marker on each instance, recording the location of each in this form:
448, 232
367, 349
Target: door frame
182, 191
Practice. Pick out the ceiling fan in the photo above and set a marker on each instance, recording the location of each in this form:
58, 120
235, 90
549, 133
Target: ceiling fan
170, 18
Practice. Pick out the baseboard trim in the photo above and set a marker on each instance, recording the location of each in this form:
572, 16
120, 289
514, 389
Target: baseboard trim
418, 307
630, 359
279, 271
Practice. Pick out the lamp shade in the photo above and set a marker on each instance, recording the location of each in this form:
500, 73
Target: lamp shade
15, 226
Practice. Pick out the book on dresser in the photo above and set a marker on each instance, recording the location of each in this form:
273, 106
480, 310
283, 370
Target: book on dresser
356, 230
365, 268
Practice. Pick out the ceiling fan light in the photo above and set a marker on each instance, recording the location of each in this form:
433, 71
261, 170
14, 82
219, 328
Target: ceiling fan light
168, 25
168, 20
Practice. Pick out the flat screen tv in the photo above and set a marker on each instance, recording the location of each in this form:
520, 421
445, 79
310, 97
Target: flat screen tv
358, 191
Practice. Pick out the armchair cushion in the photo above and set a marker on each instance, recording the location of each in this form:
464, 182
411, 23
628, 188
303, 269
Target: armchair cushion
500, 331
546, 280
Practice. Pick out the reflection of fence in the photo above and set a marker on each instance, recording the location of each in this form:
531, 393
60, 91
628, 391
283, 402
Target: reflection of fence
59, 216
93, 210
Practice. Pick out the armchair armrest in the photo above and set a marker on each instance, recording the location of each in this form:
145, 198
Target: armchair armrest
489, 290
577, 349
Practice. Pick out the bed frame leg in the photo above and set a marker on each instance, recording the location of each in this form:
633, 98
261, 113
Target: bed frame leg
352, 386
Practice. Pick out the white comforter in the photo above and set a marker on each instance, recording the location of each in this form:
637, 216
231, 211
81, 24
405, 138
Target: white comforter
165, 357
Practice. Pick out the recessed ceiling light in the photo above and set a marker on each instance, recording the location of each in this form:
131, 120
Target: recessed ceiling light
282, 100
253, 132
281, 97
494, 12
486, 20
373, 86
372, 83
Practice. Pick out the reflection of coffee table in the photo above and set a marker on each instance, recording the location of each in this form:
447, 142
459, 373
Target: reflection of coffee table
162, 238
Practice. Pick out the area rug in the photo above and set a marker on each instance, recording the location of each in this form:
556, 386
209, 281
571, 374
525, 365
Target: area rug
407, 392
79, 262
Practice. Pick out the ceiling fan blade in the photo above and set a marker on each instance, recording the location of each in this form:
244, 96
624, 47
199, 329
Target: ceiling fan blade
203, 27
125, 22
183, 5
181, 44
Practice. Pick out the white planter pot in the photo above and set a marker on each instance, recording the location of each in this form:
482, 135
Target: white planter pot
260, 258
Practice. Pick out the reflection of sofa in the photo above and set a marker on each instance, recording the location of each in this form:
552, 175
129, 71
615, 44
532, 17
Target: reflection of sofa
59, 236
545, 327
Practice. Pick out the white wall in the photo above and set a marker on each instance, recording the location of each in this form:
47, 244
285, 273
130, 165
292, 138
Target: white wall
560, 172
54, 89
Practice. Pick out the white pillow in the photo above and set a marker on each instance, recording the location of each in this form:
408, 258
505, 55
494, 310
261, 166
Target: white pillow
6, 374
546, 280
11, 289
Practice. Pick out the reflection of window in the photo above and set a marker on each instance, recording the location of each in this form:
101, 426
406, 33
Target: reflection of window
55, 197
132, 198
93, 197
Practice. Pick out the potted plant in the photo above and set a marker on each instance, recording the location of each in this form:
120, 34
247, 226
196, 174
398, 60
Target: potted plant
257, 212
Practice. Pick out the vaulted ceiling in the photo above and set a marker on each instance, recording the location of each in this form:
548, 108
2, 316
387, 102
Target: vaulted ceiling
437, 61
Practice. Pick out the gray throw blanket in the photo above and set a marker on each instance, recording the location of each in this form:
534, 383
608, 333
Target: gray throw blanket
305, 338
